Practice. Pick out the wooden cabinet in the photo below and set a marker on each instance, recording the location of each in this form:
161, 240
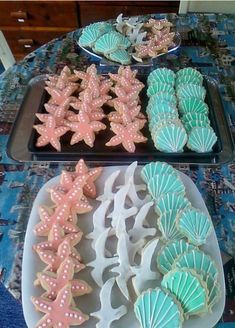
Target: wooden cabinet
28, 25
93, 11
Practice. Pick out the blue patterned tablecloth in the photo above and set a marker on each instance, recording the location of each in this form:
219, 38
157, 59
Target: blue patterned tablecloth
208, 43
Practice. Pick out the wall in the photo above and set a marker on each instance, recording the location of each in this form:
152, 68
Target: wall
207, 6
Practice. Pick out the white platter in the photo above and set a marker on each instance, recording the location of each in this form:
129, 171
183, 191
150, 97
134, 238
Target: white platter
90, 303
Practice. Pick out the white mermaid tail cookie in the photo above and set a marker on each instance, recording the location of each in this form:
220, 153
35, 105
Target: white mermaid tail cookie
119, 211
124, 268
107, 314
101, 262
138, 231
143, 272
108, 187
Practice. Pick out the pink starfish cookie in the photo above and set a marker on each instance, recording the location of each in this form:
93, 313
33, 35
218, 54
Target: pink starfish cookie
54, 259
56, 237
48, 218
126, 135
124, 96
85, 129
58, 97
93, 174
50, 134
53, 283
91, 73
59, 313
94, 114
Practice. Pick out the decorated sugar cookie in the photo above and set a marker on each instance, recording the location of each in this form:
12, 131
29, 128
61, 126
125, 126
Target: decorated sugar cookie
60, 312
56, 237
109, 187
139, 231
120, 212
143, 272
50, 134
54, 260
100, 263
123, 269
58, 97
48, 218
126, 135
107, 314
53, 283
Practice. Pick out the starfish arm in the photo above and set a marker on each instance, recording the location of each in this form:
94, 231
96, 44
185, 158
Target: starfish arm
114, 141
139, 138
55, 144
40, 128
74, 238
81, 167
129, 145
66, 179
56, 196
89, 138
60, 131
41, 229
80, 287
97, 126
77, 136
118, 128
41, 304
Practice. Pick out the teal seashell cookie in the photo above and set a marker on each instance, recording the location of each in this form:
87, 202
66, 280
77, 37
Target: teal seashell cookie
193, 105
189, 71
107, 43
201, 139
195, 117
193, 124
171, 201
170, 138
121, 56
160, 117
154, 128
161, 184
159, 87
106, 27
163, 75
167, 225
156, 308
198, 261
169, 252
154, 168
163, 96
160, 107
191, 90
124, 42
214, 291
194, 225
185, 79
89, 37
189, 290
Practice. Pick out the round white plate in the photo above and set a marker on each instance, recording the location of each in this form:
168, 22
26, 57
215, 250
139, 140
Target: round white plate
90, 303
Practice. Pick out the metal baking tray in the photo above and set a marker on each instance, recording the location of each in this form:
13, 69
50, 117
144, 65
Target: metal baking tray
21, 143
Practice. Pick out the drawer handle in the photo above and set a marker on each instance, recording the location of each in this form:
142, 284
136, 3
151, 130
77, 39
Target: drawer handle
21, 16
27, 43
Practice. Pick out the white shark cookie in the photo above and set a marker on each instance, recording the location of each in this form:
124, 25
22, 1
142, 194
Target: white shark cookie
143, 272
101, 262
107, 314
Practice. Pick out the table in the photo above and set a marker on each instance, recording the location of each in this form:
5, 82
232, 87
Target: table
208, 43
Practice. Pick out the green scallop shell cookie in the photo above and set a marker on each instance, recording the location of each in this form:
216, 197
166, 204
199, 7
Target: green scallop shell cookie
201, 139
189, 71
198, 261
121, 56
107, 43
169, 252
167, 225
195, 117
89, 37
185, 79
160, 184
191, 91
163, 96
170, 138
193, 105
158, 119
194, 124
159, 87
214, 291
154, 128
163, 75
156, 308
160, 107
171, 201
189, 290
154, 168
194, 225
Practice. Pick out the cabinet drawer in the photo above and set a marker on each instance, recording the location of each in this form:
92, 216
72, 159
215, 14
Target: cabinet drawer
91, 11
24, 42
38, 13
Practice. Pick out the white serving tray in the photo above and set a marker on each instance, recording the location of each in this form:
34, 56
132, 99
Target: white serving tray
90, 303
